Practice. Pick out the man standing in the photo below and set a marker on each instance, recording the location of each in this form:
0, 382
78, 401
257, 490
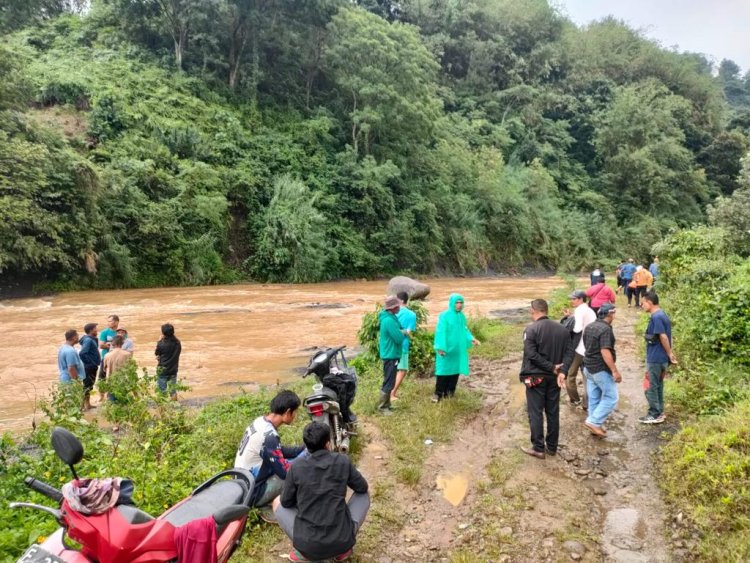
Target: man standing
116, 358
391, 341
91, 359
312, 508
127, 343
642, 280
602, 375
547, 351
69, 364
261, 452
105, 344
654, 268
627, 271
168, 351
659, 355
584, 316
408, 321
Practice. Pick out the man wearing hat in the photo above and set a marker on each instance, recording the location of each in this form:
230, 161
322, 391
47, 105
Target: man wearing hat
128, 343
602, 375
390, 345
584, 316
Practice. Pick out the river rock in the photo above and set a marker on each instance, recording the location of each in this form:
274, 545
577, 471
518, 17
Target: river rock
574, 547
415, 289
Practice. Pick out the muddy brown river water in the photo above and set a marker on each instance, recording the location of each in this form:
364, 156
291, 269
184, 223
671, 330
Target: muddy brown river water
235, 335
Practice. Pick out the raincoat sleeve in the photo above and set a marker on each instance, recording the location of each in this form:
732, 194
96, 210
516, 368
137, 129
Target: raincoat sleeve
440, 343
394, 332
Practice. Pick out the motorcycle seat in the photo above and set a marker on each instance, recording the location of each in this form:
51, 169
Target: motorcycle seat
207, 502
326, 394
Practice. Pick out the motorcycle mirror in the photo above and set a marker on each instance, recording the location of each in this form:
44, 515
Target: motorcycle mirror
67, 447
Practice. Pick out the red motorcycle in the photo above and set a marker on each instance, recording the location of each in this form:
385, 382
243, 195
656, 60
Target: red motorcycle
124, 533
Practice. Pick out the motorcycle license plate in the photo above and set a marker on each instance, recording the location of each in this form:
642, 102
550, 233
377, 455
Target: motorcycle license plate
35, 554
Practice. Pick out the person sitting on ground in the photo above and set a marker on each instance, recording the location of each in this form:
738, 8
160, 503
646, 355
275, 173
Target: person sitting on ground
600, 294
312, 509
261, 452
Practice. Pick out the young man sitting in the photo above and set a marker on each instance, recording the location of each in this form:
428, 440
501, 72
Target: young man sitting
312, 509
261, 452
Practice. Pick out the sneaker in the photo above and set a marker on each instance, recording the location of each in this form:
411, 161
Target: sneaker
295, 555
661, 418
575, 403
435, 399
648, 419
267, 515
344, 556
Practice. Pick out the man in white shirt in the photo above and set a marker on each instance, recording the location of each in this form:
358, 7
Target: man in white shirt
583, 315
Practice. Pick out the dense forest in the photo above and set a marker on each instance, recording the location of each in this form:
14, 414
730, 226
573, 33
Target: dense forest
150, 142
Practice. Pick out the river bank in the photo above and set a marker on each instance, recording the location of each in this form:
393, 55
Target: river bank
236, 336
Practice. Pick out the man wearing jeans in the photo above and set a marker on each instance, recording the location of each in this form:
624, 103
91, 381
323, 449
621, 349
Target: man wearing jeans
659, 355
602, 375
312, 509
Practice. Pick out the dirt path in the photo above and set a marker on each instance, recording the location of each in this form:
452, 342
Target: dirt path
480, 499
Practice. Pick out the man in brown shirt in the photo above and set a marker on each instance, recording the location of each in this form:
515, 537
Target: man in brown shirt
116, 358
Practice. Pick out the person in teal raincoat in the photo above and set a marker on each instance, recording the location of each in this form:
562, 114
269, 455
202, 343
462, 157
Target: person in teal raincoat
453, 339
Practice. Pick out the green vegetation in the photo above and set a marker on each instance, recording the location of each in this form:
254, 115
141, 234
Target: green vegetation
704, 468
152, 143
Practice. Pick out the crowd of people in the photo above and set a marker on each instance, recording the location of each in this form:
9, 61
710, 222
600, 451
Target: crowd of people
104, 353
303, 488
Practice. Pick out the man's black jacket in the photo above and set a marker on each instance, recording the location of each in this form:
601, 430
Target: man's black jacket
546, 344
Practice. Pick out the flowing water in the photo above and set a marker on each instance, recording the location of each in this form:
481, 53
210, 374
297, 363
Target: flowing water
231, 335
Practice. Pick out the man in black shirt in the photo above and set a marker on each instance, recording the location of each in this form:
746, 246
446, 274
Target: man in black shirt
168, 351
312, 509
602, 375
547, 354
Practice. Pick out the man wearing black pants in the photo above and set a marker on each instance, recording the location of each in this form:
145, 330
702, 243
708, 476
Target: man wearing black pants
547, 354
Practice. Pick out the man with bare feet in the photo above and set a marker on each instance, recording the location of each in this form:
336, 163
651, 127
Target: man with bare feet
602, 375
547, 353
408, 320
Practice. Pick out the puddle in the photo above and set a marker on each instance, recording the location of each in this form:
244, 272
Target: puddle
454, 487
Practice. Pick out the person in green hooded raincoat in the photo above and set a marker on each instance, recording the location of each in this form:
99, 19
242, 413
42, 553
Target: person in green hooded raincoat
453, 339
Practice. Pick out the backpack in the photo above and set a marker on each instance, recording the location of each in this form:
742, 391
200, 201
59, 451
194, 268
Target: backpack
569, 322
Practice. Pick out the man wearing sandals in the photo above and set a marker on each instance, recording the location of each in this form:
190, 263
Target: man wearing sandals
312, 509
602, 375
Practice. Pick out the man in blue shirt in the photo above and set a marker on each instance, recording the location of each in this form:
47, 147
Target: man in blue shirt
627, 271
408, 320
659, 355
105, 344
69, 364
654, 268
89, 355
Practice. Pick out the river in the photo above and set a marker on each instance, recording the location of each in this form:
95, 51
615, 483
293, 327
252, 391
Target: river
232, 336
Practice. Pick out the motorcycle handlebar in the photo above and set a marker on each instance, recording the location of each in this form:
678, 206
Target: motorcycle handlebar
41, 487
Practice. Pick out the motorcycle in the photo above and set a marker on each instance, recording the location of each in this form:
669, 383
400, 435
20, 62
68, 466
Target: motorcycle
124, 533
331, 399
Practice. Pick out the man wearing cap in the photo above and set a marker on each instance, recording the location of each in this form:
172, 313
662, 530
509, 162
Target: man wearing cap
89, 354
584, 316
127, 344
390, 345
602, 375
547, 352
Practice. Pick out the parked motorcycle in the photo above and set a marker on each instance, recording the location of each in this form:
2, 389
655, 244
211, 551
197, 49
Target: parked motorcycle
331, 399
124, 533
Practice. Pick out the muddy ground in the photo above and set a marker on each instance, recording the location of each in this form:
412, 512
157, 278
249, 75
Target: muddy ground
481, 499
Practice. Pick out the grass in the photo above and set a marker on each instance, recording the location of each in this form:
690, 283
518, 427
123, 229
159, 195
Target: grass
498, 339
500, 504
705, 474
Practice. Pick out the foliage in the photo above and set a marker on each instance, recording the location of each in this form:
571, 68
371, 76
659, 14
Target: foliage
301, 141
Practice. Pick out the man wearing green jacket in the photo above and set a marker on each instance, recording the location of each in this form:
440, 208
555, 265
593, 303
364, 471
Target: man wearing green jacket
453, 339
391, 341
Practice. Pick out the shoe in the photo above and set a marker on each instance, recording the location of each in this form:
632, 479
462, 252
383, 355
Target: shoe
533, 453
295, 555
649, 419
551, 452
595, 430
575, 403
661, 418
435, 399
384, 403
344, 556
267, 515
